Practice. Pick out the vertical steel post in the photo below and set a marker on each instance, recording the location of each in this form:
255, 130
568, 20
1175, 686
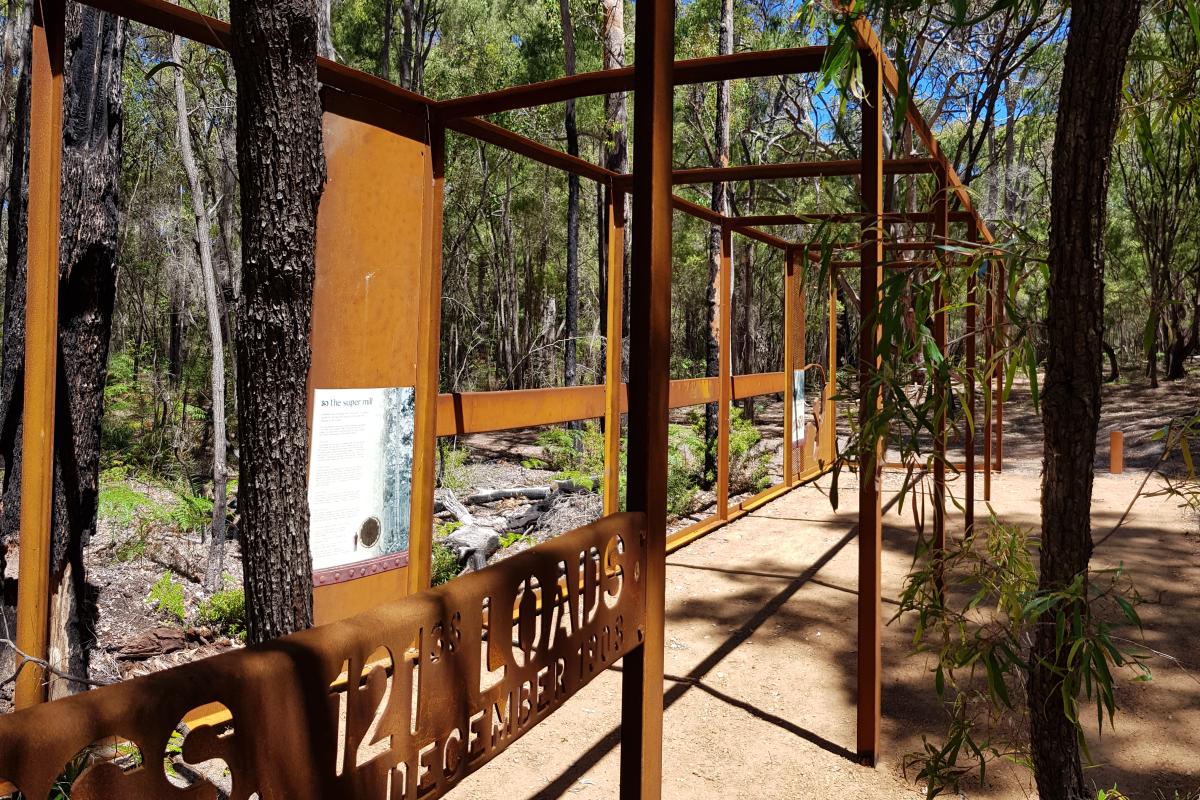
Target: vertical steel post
41, 345
828, 446
969, 427
789, 365
613, 351
941, 228
1001, 367
870, 456
724, 367
429, 340
989, 347
649, 383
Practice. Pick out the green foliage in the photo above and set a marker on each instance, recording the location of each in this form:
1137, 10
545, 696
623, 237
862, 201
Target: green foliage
445, 564
978, 633
512, 537
192, 513
120, 503
573, 451
225, 611
452, 472
132, 547
685, 461
444, 529
166, 597
748, 470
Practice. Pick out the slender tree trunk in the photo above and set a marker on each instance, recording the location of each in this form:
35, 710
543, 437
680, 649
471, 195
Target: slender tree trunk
212, 308
1097, 45
91, 171
324, 9
570, 378
384, 66
616, 148
720, 204
282, 168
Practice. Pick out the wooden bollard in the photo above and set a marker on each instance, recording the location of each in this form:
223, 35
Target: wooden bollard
1116, 452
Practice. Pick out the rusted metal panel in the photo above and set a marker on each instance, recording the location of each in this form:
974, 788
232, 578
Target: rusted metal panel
402, 727
477, 412
41, 344
870, 531
371, 309
693, 392
759, 383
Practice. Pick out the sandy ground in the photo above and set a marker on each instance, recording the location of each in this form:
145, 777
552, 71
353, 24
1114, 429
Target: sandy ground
760, 661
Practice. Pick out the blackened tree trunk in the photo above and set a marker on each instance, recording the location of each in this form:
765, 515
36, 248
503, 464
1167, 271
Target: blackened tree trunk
91, 172
570, 378
282, 169
1097, 45
720, 204
383, 67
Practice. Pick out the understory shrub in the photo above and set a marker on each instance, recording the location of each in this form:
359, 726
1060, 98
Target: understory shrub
166, 597
225, 612
445, 564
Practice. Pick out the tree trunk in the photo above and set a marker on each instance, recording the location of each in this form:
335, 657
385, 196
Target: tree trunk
383, 67
572, 311
282, 168
212, 309
616, 149
1094, 63
720, 204
324, 9
91, 172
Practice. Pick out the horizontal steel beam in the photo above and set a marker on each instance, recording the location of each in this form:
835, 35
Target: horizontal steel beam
797, 169
757, 64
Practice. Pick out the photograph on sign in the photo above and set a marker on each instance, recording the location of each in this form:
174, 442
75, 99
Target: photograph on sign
797, 406
360, 474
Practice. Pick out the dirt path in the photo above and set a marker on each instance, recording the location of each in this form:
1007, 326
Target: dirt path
761, 664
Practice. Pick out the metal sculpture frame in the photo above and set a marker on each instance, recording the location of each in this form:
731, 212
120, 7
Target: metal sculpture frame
619, 562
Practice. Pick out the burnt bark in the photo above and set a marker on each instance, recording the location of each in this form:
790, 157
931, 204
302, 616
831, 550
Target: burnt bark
720, 204
282, 169
89, 215
1089, 98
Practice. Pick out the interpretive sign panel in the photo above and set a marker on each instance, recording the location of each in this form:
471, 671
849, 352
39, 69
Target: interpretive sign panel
360, 474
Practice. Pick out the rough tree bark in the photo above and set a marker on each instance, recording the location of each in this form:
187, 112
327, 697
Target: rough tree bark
720, 204
91, 171
570, 378
1089, 100
282, 168
212, 309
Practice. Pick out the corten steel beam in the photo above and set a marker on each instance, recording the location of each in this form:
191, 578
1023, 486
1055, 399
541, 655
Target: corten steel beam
535, 151
870, 529
1001, 365
941, 229
212, 32
649, 371
789, 314
842, 218
724, 367
797, 169
868, 40
41, 345
615, 210
429, 341
989, 353
969, 427
759, 64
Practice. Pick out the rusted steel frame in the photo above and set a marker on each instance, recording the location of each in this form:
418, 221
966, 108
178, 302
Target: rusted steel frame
613, 387
759, 383
295, 683
868, 40
724, 367
870, 531
41, 346
941, 231
853, 265
846, 218
794, 169
170, 18
989, 353
420, 542
759, 64
971, 344
524, 146
649, 377
1001, 365
789, 314
828, 433
713, 218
